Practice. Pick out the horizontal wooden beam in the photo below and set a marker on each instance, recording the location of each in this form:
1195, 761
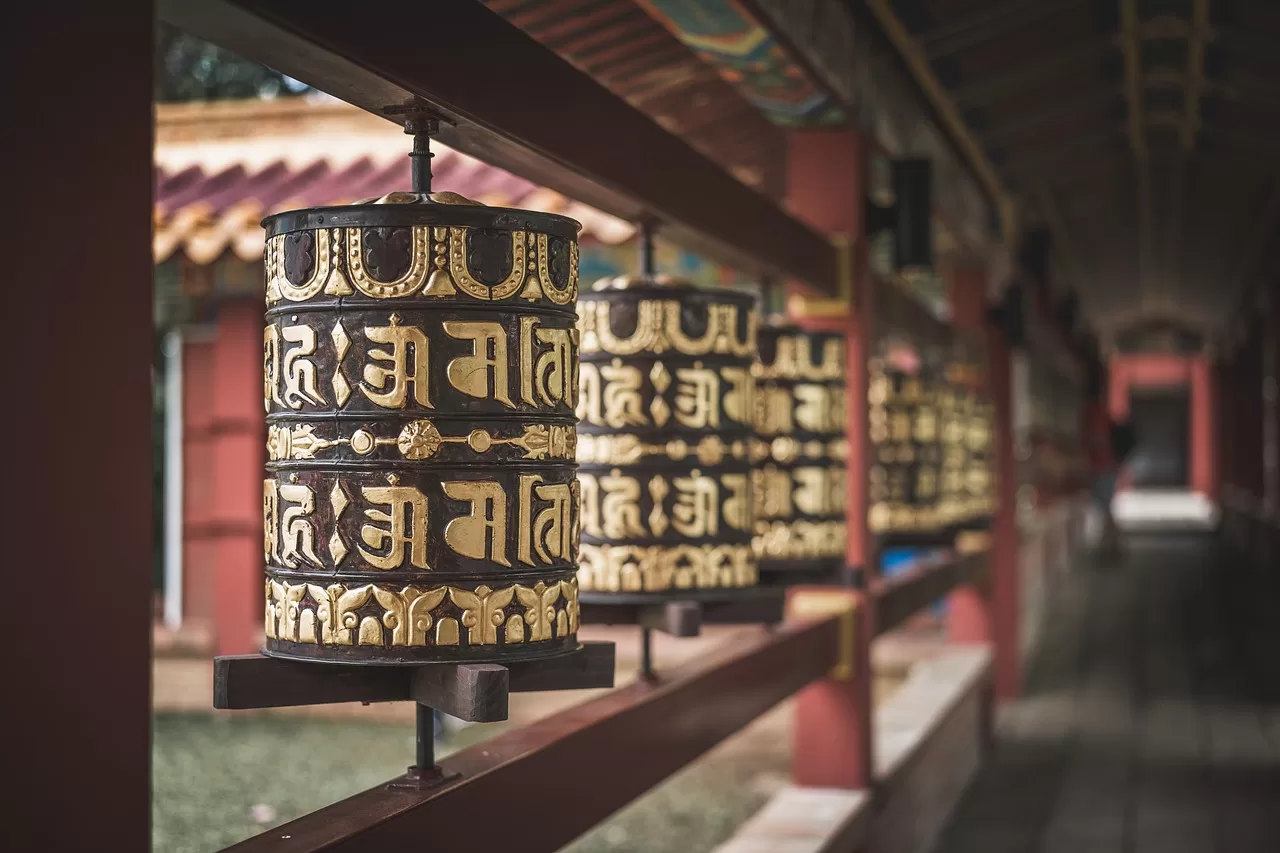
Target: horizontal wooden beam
510, 101
554, 779
898, 598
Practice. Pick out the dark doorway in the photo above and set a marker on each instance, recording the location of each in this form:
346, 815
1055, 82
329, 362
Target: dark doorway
1161, 419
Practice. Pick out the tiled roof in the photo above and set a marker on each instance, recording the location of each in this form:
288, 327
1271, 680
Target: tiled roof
221, 167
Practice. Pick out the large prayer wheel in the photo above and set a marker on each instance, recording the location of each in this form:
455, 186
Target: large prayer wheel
801, 453
665, 437
421, 364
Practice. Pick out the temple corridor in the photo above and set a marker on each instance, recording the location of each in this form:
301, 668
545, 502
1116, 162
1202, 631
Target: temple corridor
1151, 719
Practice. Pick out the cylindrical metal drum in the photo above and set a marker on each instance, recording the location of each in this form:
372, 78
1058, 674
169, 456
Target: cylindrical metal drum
665, 435
903, 427
800, 455
421, 364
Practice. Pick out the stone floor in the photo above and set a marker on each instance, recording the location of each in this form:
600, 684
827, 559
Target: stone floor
1151, 721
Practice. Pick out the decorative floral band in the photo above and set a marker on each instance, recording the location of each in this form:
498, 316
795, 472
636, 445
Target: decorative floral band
420, 439
658, 568
801, 540
372, 615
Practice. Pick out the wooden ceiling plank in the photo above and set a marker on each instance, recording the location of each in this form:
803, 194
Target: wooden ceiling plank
1008, 81
987, 24
1055, 112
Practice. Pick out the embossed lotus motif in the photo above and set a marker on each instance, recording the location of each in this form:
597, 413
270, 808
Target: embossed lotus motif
419, 440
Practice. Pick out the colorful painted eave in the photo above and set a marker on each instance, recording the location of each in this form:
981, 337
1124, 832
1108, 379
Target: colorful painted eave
733, 40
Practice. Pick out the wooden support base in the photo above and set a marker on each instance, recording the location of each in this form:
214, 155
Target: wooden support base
475, 692
684, 617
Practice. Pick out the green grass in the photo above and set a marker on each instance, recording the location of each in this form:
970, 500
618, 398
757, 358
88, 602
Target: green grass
210, 771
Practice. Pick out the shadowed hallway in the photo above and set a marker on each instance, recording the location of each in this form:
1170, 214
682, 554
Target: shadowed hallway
1151, 720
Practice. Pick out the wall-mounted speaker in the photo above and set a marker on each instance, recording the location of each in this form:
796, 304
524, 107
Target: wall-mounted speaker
910, 218
913, 187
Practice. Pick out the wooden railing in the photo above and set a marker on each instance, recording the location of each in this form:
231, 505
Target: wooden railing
548, 782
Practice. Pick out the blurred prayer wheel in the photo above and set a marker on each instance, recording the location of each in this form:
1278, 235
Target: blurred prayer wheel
421, 364
904, 426
800, 455
664, 444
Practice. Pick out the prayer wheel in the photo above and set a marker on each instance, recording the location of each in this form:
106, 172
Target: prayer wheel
421, 363
800, 454
665, 415
904, 431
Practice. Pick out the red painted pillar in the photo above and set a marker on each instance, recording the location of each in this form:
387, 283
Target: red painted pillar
238, 454
1203, 430
1005, 538
826, 188
968, 609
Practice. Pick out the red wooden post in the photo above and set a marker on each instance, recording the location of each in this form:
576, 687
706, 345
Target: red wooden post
968, 610
826, 188
1204, 474
199, 540
79, 344
1005, 544
238, 453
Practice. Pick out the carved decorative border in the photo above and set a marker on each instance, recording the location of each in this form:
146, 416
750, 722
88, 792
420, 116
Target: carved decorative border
373, 615
419, 439
658, 568
659, 329
437, 268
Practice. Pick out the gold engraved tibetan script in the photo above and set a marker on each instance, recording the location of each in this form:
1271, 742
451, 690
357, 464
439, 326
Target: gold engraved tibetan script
405, 530
483, 373
481, 533
548, 535
392, 373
